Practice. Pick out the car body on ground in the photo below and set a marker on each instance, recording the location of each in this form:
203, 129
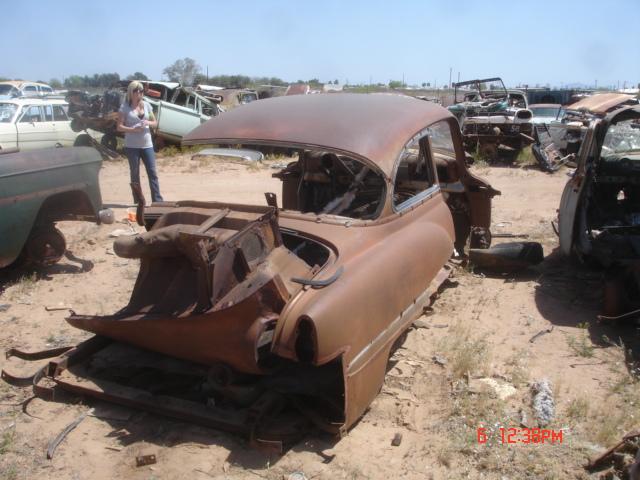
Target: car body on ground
599, 215
19, 88
40, 188
35, 123
296, 308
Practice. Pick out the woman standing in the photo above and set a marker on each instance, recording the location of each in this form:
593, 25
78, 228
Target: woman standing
135, 119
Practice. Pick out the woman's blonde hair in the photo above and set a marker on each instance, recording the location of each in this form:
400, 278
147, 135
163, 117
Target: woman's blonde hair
135, 85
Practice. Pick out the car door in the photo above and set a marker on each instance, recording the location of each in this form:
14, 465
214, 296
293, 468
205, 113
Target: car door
65, 136
33, 131
572, 193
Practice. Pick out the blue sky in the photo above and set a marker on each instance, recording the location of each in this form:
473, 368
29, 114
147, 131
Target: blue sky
555, 42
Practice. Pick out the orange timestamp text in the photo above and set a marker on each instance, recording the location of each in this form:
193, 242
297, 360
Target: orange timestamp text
522, 435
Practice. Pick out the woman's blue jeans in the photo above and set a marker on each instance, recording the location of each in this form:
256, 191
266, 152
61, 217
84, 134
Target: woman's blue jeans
149, 159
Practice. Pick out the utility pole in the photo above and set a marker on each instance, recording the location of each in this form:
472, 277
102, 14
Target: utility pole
450, 72
207, 74
458, 77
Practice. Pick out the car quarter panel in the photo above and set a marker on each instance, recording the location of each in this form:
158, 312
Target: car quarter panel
387, 265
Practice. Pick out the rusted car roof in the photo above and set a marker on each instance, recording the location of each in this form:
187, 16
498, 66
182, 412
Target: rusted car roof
601, 103
374, 126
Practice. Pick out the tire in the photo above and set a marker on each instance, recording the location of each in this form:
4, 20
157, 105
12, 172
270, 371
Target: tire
83, 140
45, 246
109, 141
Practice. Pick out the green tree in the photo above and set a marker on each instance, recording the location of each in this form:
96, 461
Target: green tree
137, 76
395, 84
183, 70
55, 83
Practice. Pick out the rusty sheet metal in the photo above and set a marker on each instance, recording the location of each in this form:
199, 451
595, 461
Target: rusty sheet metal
601, 103
375, 126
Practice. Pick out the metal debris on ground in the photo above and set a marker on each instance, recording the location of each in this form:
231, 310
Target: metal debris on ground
543, 404
53, 444
4, 307
421, 324
142, 460
540, 333
622, 458
296, 476
55, 309
438, 360
507, 256
397, 439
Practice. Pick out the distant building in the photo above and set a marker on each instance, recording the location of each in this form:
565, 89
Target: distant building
330, 87
298, 89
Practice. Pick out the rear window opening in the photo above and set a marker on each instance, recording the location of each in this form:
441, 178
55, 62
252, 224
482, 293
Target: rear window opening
322, 182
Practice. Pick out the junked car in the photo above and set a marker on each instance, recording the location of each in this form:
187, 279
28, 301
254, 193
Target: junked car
34, 123
40, 188
599, 215
559, 140
20, 88
289, 310
492, 118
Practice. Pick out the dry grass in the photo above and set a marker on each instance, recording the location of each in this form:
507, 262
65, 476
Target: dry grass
24, 286
467, 353
525, 158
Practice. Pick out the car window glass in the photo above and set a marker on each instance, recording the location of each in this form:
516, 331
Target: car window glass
58, 113
46, 90
48, 113
31, 114
440, 136
30, 88
191, 102
414, 173
7, 110
622, 140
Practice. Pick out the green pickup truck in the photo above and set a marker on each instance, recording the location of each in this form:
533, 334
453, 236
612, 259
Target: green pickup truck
40, 188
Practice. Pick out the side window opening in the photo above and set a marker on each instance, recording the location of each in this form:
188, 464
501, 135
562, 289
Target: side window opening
59, 113
414, 174
31, 114
48, 113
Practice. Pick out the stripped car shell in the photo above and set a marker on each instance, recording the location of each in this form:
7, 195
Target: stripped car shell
307, 300
599, 215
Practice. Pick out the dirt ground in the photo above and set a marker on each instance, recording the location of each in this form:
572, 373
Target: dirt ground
469, 363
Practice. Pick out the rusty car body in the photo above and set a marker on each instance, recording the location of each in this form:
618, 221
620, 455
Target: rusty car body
599, 215
301, 301
39, 188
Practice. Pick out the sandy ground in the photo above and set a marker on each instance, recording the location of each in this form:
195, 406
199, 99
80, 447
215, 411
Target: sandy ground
444, 381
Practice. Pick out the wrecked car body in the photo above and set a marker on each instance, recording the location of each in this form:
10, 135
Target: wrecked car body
599, 215
294, 309
493, 119
559, 140
38, 189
